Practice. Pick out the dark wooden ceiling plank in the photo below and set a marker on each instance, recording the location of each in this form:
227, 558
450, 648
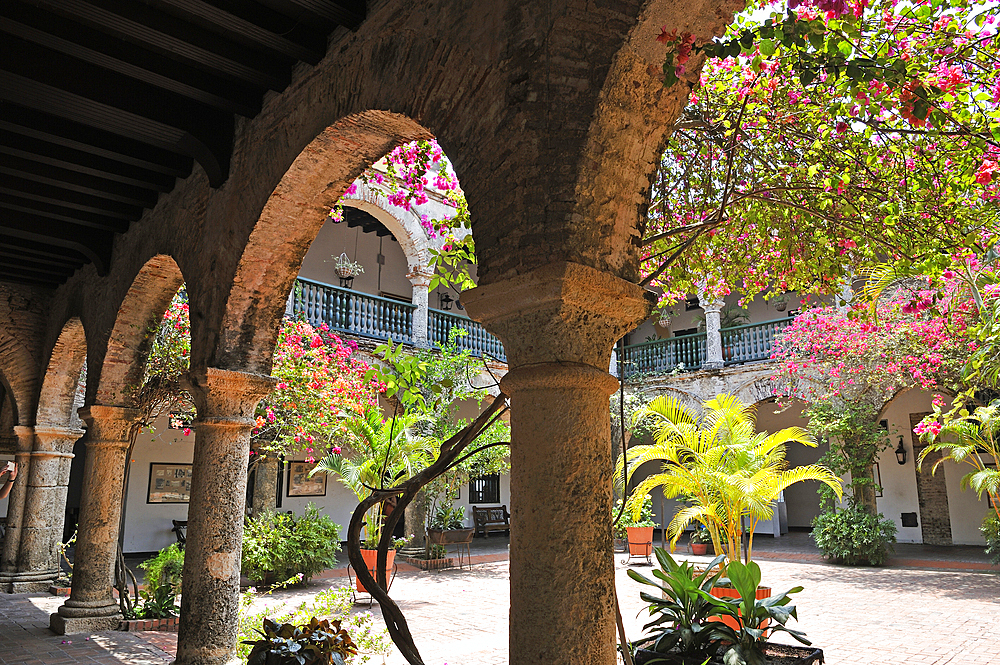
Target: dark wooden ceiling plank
13, 278
10, 202
347, 14
245, 102
46, 127
58, 272
150, 29
82, 162
36, 249
17, 254
77, 182
43, 97
236, 27
94, 245
28, 189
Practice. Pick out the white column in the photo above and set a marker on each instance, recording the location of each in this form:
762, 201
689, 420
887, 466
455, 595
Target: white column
420, 278
713, 339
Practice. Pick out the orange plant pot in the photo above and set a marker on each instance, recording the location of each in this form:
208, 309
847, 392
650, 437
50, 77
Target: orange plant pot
371, 559
640, 540
699, 549
728, 592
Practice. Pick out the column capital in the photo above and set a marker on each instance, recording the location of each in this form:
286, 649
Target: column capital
108, 424
229, 394
56, 438
25, 438
420, 275
561, 312
710, 303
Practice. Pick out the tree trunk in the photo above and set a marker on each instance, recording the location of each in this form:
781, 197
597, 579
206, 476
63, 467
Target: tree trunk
415, 519
864, 493
265, 485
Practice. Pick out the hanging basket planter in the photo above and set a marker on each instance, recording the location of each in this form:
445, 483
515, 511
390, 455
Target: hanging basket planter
346, 268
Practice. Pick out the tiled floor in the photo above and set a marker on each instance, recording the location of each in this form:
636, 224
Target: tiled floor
858, 616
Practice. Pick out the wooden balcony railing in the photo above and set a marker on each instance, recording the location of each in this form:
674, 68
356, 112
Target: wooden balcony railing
355, 313
752, 342
478, 341
662, 356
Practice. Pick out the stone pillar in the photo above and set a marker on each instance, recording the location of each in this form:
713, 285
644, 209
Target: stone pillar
558, 324
44, 509
713, 339
420, 278
91, 605
210, 603
15, 507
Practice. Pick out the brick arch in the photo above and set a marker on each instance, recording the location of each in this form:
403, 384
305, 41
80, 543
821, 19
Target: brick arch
19, 375
59, 385
131, 338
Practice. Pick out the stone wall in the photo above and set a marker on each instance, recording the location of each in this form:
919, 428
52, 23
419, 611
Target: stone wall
932, 493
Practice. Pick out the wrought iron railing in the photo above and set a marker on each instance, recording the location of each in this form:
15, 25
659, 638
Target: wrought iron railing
478, 340
662, 356
752, 342
351, 312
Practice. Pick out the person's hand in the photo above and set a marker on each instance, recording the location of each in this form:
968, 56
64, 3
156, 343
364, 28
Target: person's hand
11, 470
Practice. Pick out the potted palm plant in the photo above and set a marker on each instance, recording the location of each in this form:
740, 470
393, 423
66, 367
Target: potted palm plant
377, 453
447, 526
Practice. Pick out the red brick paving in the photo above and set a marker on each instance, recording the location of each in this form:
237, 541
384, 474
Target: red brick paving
858, 616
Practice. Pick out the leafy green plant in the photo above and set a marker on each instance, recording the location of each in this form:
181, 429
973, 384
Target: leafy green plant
644, 518
757, 618
701, 536
333, 603
448, 517
283, 544
437, 552
157, 602
991, 532
854, 536
314, 643
682, 608
165, 568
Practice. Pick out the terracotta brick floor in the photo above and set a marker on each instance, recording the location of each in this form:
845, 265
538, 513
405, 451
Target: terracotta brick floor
857, 615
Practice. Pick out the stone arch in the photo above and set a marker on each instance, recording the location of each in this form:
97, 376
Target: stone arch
59, 385
19, 375
405, 227
135, 326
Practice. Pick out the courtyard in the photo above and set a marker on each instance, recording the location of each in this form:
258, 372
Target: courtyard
927, 606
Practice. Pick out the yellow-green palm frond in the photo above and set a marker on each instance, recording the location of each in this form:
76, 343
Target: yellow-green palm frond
877, 280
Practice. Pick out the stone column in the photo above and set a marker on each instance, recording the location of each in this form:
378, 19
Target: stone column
210, 603
558, 324
713, 339
420, 278
15, 507
44, 509
91, 605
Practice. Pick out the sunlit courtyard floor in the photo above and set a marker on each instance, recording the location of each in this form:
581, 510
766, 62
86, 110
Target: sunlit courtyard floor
930, 615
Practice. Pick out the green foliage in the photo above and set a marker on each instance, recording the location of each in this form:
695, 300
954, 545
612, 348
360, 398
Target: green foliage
855, 440
158, 602
701, 536
448, 517
163, 583
629, 519
319, 641
681, 608
758, 619
287, 545
334, 603
854, 536
991, 532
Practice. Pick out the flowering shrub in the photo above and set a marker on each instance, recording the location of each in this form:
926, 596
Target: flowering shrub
836, 135
320, 384
854, 536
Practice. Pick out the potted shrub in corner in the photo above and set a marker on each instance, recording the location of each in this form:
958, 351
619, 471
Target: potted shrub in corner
700, 540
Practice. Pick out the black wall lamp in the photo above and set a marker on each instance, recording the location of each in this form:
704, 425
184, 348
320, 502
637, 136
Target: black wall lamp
445, 301
901, 452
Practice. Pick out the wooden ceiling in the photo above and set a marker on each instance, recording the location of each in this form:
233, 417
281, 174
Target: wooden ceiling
104, 103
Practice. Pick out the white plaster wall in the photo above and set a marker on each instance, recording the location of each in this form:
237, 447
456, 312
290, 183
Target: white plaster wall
338, 504
966, 510
147, 525
899, 483
801, 499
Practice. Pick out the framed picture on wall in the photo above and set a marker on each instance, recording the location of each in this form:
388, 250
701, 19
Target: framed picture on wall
169, 482
299, 482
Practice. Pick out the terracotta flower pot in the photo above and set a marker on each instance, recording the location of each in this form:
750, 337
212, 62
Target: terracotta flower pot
450, 536
699, 549
640, 540
371, 559
729, 592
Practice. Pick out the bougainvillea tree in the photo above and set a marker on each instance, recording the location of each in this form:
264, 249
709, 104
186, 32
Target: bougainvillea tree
847, 368
824, 138
321, 383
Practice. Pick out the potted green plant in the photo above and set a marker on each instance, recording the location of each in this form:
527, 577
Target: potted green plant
700, 540
345, 267
279, 546
639, 528
315, 643
447, 526
685, 626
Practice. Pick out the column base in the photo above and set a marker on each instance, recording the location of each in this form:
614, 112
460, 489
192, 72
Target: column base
27, 582
74, 617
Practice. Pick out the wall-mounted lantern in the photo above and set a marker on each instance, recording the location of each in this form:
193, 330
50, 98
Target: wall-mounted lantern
444, 301
901, 452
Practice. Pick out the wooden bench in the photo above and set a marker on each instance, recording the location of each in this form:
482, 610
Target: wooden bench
494, 518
